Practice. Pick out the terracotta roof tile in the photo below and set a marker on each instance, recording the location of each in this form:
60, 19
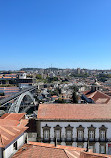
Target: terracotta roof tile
5, 122
98, 97
13, 116
9, 133
43, 150
11, 126
4, 115
74, 112
93, 155
24, 122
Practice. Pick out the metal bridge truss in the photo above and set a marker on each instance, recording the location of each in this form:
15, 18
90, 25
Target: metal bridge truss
15, 107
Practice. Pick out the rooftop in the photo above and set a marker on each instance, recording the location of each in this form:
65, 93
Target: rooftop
12, 125
98, 97
9, 133
79, 112
43, 150
13, 116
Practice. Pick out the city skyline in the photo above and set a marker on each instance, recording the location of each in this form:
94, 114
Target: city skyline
64, 34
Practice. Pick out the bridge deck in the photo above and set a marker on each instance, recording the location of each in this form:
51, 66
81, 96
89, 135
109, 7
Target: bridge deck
6, 100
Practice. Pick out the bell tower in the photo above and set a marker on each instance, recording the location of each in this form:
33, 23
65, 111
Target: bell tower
95, 86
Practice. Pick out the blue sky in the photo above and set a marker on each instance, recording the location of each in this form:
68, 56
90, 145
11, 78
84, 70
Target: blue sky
61, 33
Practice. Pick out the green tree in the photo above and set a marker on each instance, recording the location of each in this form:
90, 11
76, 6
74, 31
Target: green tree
60, 101
38, 76
74, 97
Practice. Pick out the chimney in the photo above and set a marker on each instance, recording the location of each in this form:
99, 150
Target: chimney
55, 142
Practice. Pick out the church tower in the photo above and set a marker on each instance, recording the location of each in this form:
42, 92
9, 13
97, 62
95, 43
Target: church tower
95, 86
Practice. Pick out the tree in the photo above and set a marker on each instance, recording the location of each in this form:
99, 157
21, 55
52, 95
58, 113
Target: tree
74, 88
60, 101
74, 97
38, 76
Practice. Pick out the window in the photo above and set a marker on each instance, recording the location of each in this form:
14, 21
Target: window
15, 146
68, 134
80, 134
91, 134
57, 134
46, 134
69, 131
102, 134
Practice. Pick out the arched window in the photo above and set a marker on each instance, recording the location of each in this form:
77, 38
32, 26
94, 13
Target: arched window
57, 132
46, 133
80, 133
102, 133
69, 131
91, 133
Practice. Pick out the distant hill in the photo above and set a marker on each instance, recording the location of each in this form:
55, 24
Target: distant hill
30, 69
34, 69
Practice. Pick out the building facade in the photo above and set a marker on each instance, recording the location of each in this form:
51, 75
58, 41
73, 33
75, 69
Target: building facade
78, 134
73, 125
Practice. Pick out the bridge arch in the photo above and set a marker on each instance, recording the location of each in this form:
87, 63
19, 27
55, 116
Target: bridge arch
16, 105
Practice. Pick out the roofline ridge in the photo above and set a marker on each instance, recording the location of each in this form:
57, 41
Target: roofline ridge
66, 153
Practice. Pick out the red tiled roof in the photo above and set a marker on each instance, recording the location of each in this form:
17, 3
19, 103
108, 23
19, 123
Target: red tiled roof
6, 122
98, 97
74, 112
4, 115
43, 150
11, 126
24, 122
9, 133
13, 116
93, 155
54, 96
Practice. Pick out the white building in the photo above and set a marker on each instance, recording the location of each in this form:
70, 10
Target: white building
76, 125
22, 75
12, 134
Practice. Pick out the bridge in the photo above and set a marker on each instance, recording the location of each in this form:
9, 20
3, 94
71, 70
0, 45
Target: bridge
21, 101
